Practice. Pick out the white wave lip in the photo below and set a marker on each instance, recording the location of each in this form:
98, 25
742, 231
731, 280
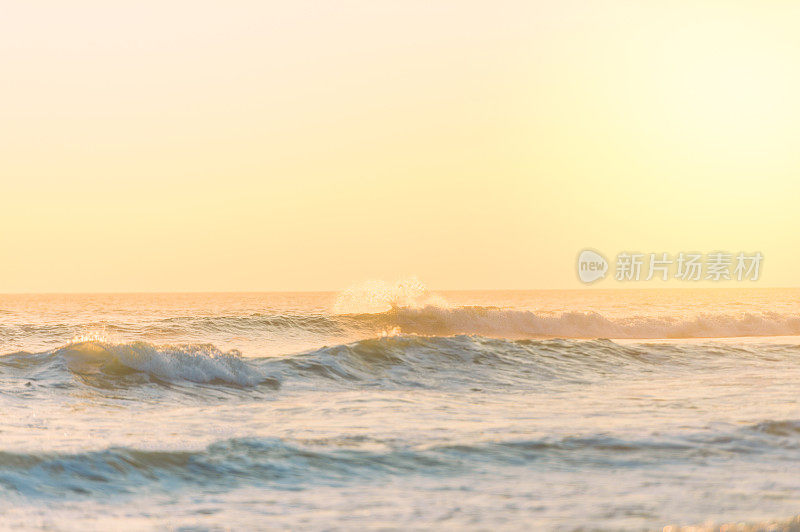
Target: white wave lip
196, 363
408, 306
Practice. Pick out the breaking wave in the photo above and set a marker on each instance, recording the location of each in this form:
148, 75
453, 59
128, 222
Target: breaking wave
105, 364
512, 323
409, 306
436, 320
278, 333
461, 362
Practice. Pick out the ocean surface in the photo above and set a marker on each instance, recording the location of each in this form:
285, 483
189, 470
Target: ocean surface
388, 406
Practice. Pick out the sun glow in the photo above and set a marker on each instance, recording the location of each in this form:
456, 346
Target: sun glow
199, 147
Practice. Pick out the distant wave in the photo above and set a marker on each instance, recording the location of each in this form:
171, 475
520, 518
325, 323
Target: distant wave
511, 323
435, 320
430, 320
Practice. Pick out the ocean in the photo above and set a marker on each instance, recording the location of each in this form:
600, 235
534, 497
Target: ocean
388, 406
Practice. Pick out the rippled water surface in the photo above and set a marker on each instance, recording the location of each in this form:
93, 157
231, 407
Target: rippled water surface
391, 407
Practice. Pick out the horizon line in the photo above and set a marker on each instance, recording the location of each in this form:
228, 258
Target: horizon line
333, 291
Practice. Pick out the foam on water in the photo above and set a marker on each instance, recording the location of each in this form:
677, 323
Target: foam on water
396, 408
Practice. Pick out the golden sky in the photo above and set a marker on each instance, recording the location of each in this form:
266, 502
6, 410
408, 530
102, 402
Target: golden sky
189, 145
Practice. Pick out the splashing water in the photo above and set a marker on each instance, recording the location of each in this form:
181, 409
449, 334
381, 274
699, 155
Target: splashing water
372, 297
90, 336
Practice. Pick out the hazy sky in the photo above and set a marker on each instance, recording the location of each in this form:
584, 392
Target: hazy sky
193, 145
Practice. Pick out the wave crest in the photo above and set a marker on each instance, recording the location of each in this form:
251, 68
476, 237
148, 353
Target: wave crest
513, 323
465, 362
201, 363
